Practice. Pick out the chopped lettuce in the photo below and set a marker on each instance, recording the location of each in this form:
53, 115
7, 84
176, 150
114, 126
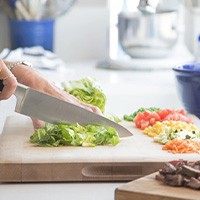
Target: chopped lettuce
74, 135
88, 91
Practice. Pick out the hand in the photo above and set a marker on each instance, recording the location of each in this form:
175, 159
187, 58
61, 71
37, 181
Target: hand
54, 91
9, 82
30, 77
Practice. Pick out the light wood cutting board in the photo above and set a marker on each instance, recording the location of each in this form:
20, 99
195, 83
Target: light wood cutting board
147, 188
21, 161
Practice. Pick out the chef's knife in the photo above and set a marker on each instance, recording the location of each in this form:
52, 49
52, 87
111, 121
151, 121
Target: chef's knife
50, 109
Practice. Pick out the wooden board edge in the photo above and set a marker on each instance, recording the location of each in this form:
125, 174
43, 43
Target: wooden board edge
124, 195
71, 172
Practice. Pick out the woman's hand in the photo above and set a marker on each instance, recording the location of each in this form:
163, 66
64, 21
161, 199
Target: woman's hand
30, 77
54, 91
9, 82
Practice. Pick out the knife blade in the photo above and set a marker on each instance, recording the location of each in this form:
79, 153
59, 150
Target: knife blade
50, 109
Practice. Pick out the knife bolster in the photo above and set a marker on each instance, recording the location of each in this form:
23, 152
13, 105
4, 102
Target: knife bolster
20, 93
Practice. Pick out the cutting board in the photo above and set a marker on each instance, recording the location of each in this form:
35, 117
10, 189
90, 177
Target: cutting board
133, 157
147, 188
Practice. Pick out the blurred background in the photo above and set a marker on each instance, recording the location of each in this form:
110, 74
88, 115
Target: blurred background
117, 31
80, 33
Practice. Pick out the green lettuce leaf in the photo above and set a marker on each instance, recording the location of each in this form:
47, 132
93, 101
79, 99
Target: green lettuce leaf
88, 91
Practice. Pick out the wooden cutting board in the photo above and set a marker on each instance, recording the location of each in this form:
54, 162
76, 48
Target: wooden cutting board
147, 188
132, 158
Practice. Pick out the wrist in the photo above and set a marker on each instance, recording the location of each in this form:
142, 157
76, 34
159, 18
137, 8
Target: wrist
11, 65
22, 71
28, 76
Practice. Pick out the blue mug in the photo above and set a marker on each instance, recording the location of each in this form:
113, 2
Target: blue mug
25, 33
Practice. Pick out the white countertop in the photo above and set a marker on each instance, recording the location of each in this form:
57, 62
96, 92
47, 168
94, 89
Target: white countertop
126, 91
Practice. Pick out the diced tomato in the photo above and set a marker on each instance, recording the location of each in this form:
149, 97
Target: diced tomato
177, 117
164, 113
144, 124
138, 118
147, 118
182, 112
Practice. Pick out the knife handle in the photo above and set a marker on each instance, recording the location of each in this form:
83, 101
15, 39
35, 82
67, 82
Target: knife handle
1, 85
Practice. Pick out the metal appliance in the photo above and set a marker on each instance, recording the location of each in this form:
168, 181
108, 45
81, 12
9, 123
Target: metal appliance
145, 35
192, 31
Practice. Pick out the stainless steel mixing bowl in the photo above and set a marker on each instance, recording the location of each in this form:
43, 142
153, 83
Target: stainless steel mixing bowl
147, 35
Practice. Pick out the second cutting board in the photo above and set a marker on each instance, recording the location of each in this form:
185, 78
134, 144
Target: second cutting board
147, 188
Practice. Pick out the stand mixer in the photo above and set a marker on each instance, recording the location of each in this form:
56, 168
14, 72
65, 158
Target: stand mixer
144, 35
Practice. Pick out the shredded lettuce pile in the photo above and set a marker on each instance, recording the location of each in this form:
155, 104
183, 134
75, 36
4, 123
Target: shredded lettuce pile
88, 91
54, 135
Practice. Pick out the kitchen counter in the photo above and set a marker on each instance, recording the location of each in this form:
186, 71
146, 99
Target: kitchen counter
126, 91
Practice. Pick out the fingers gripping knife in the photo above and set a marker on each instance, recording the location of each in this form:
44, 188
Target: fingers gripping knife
36, 104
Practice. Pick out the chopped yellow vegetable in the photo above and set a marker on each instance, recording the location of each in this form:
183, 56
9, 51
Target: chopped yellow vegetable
160, 127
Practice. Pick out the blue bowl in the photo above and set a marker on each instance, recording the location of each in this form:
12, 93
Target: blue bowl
188, 85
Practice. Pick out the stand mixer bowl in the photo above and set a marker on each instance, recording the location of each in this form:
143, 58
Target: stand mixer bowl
147, 35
